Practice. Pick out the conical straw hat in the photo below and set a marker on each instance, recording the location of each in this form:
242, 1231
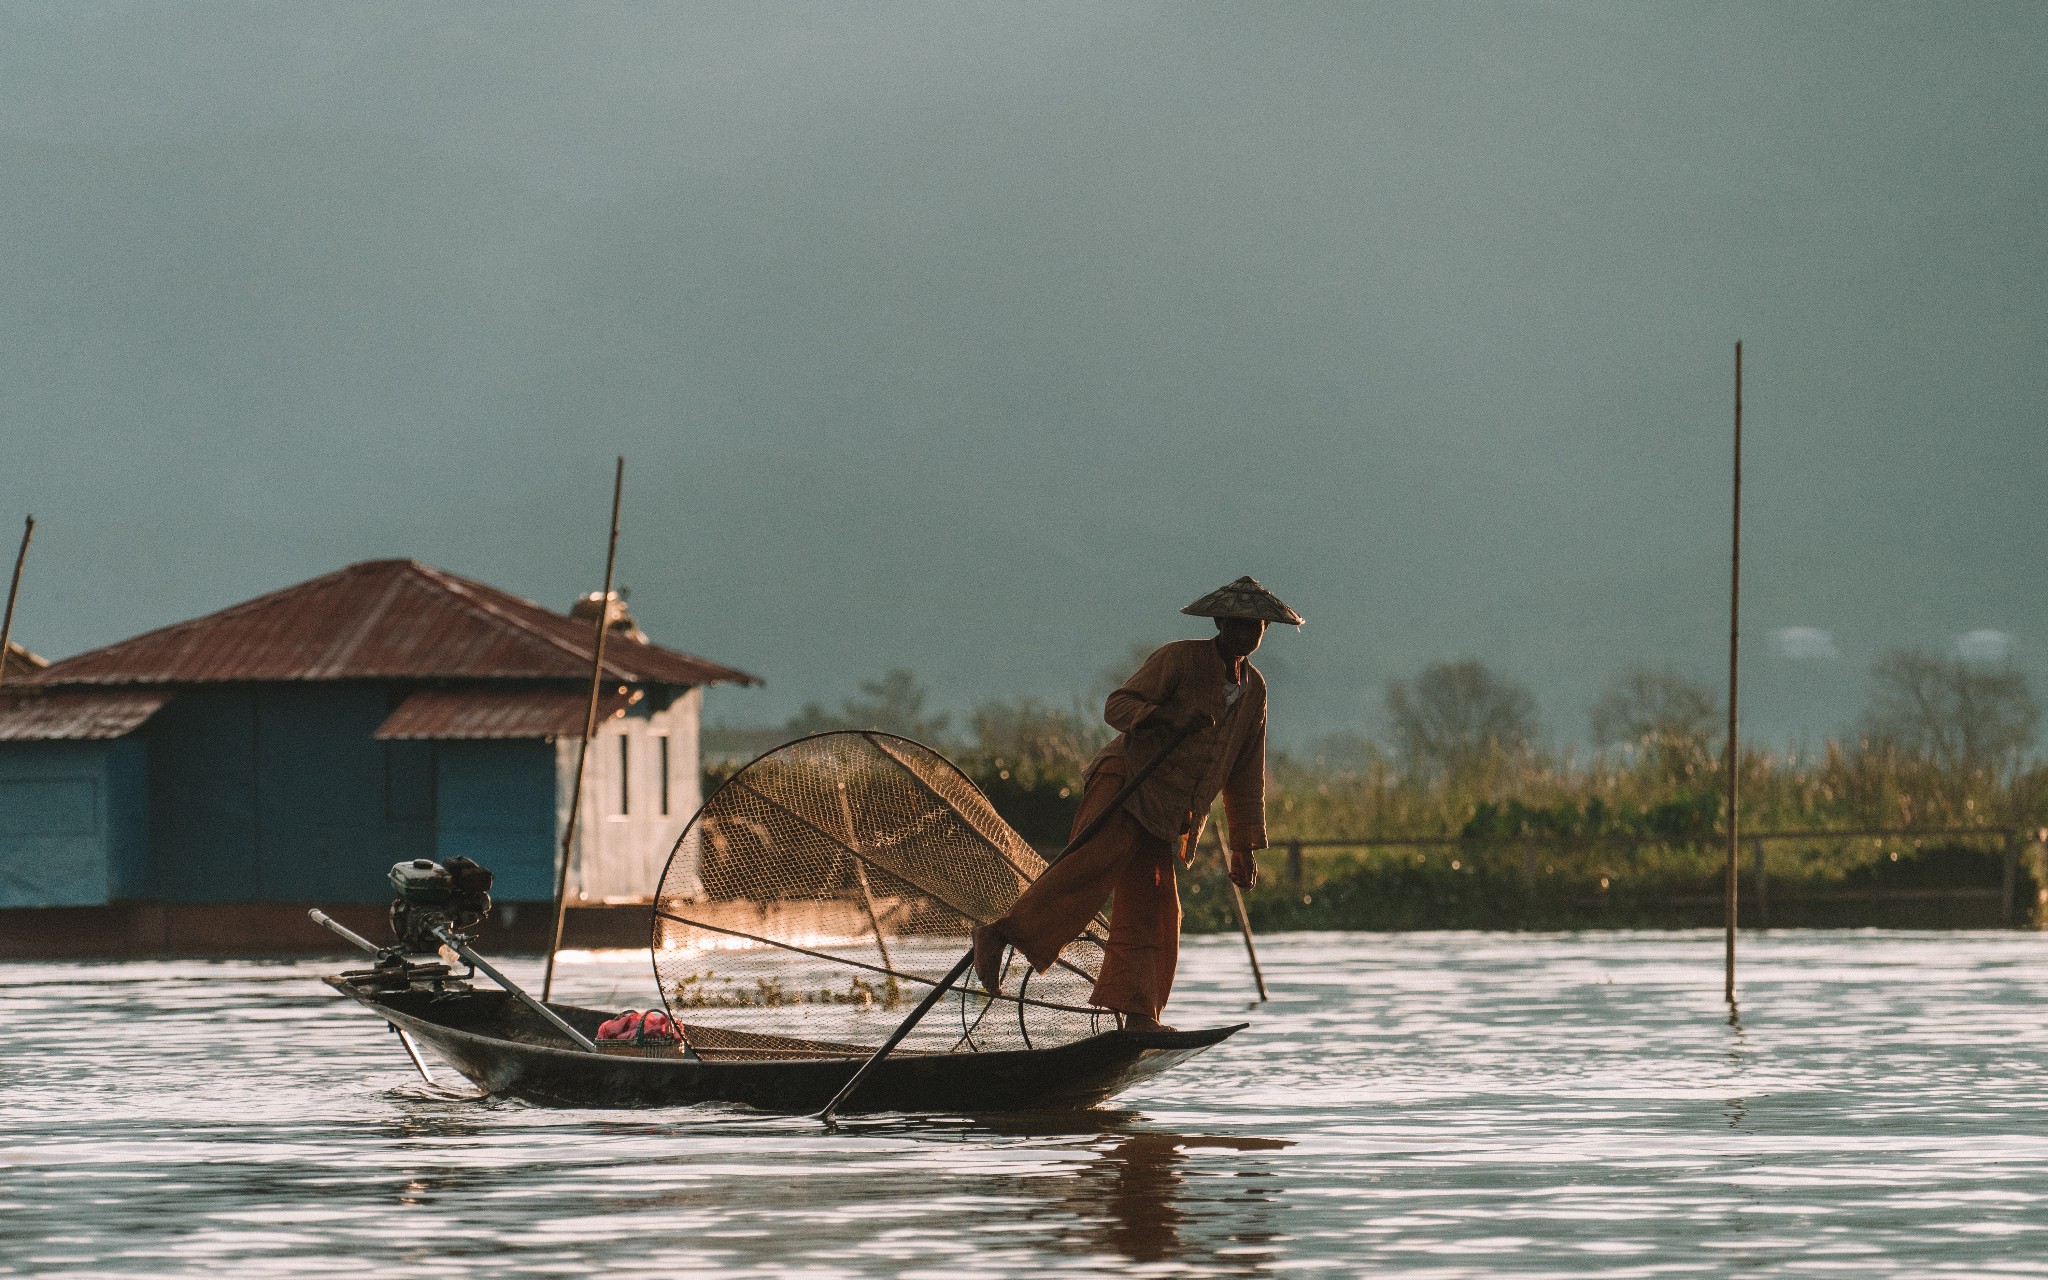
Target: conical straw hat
1244, 598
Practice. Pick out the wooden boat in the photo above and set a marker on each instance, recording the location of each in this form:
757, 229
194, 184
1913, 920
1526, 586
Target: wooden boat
836, 871
505, 1048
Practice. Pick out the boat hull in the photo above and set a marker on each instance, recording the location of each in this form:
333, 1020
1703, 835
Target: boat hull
505, 1049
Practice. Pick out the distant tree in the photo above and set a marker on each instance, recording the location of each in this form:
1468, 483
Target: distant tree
1033, 741
893, 703
1343, 750
1671, 720
1457, 714
1028, 758
1964, 717
735, 744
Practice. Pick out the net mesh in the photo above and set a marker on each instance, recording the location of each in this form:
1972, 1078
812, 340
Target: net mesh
829, 885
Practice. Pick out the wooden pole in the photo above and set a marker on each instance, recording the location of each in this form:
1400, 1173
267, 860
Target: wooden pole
1244, 917
2011, 877
1734, 634
604, 619
1763, 885
28, 530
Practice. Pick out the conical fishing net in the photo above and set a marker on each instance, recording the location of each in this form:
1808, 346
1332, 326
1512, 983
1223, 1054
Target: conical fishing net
829, 885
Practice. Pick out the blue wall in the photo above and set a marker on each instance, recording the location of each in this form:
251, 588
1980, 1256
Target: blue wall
496, 804
268, 793
202, 789
278, 793
71, 822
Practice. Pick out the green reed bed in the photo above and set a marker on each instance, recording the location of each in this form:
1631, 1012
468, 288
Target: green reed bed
1618, 840
1528, 838
1830, 883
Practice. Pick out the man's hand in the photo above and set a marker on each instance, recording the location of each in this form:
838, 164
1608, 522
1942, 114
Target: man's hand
1244, 868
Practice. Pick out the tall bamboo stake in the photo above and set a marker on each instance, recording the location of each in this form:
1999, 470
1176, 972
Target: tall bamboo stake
28, 530
1734, 632
604, 619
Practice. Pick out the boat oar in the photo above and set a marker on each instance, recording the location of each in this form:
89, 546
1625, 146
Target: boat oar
959, 970
1244, 919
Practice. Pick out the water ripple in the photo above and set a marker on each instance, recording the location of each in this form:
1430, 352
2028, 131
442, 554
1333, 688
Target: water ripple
1431, 1105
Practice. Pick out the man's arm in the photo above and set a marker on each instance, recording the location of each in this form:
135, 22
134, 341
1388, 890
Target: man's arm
1144, 693
1244, 803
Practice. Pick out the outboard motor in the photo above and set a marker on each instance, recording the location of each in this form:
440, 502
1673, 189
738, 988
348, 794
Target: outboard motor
455, 895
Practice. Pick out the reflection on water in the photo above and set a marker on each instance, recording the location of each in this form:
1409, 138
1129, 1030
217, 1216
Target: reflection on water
1133, 1195
1442, 1105
1142, 1188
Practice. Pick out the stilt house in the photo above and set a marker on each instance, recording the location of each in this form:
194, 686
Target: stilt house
288, 750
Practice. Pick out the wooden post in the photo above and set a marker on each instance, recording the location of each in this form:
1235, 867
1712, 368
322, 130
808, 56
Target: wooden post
2011, 877
604, 626
2034, 847
28, 530
1297, 871
1763, 900
1734, 634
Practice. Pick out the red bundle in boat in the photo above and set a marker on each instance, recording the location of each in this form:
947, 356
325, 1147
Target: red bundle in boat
656, 1026
624, 1027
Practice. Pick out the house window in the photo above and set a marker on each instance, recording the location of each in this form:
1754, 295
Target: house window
625, 775
663, 740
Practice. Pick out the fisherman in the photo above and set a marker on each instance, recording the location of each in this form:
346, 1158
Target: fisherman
1209, 691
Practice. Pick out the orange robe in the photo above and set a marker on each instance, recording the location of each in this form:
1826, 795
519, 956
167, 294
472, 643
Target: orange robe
1134, 854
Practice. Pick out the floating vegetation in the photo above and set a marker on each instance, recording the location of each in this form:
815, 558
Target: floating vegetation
706, 991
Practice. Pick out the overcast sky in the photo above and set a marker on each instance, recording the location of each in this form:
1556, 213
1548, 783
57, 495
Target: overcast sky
978, 339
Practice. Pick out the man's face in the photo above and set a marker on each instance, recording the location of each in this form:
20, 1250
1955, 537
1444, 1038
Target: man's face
1237, 637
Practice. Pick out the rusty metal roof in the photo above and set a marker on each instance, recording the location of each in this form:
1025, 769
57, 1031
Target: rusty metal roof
77, 715
491, 713
381, 619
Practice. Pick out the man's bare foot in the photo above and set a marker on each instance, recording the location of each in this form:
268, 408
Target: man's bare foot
1143, 1022
988, 957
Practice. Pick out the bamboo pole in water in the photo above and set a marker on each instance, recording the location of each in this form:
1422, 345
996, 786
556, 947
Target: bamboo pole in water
1734, 633
604, 620
28, 530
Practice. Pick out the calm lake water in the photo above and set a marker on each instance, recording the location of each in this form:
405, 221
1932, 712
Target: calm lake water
1434, 1105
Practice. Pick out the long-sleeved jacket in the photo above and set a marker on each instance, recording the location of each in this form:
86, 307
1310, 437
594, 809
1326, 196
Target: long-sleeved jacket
1227, 757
